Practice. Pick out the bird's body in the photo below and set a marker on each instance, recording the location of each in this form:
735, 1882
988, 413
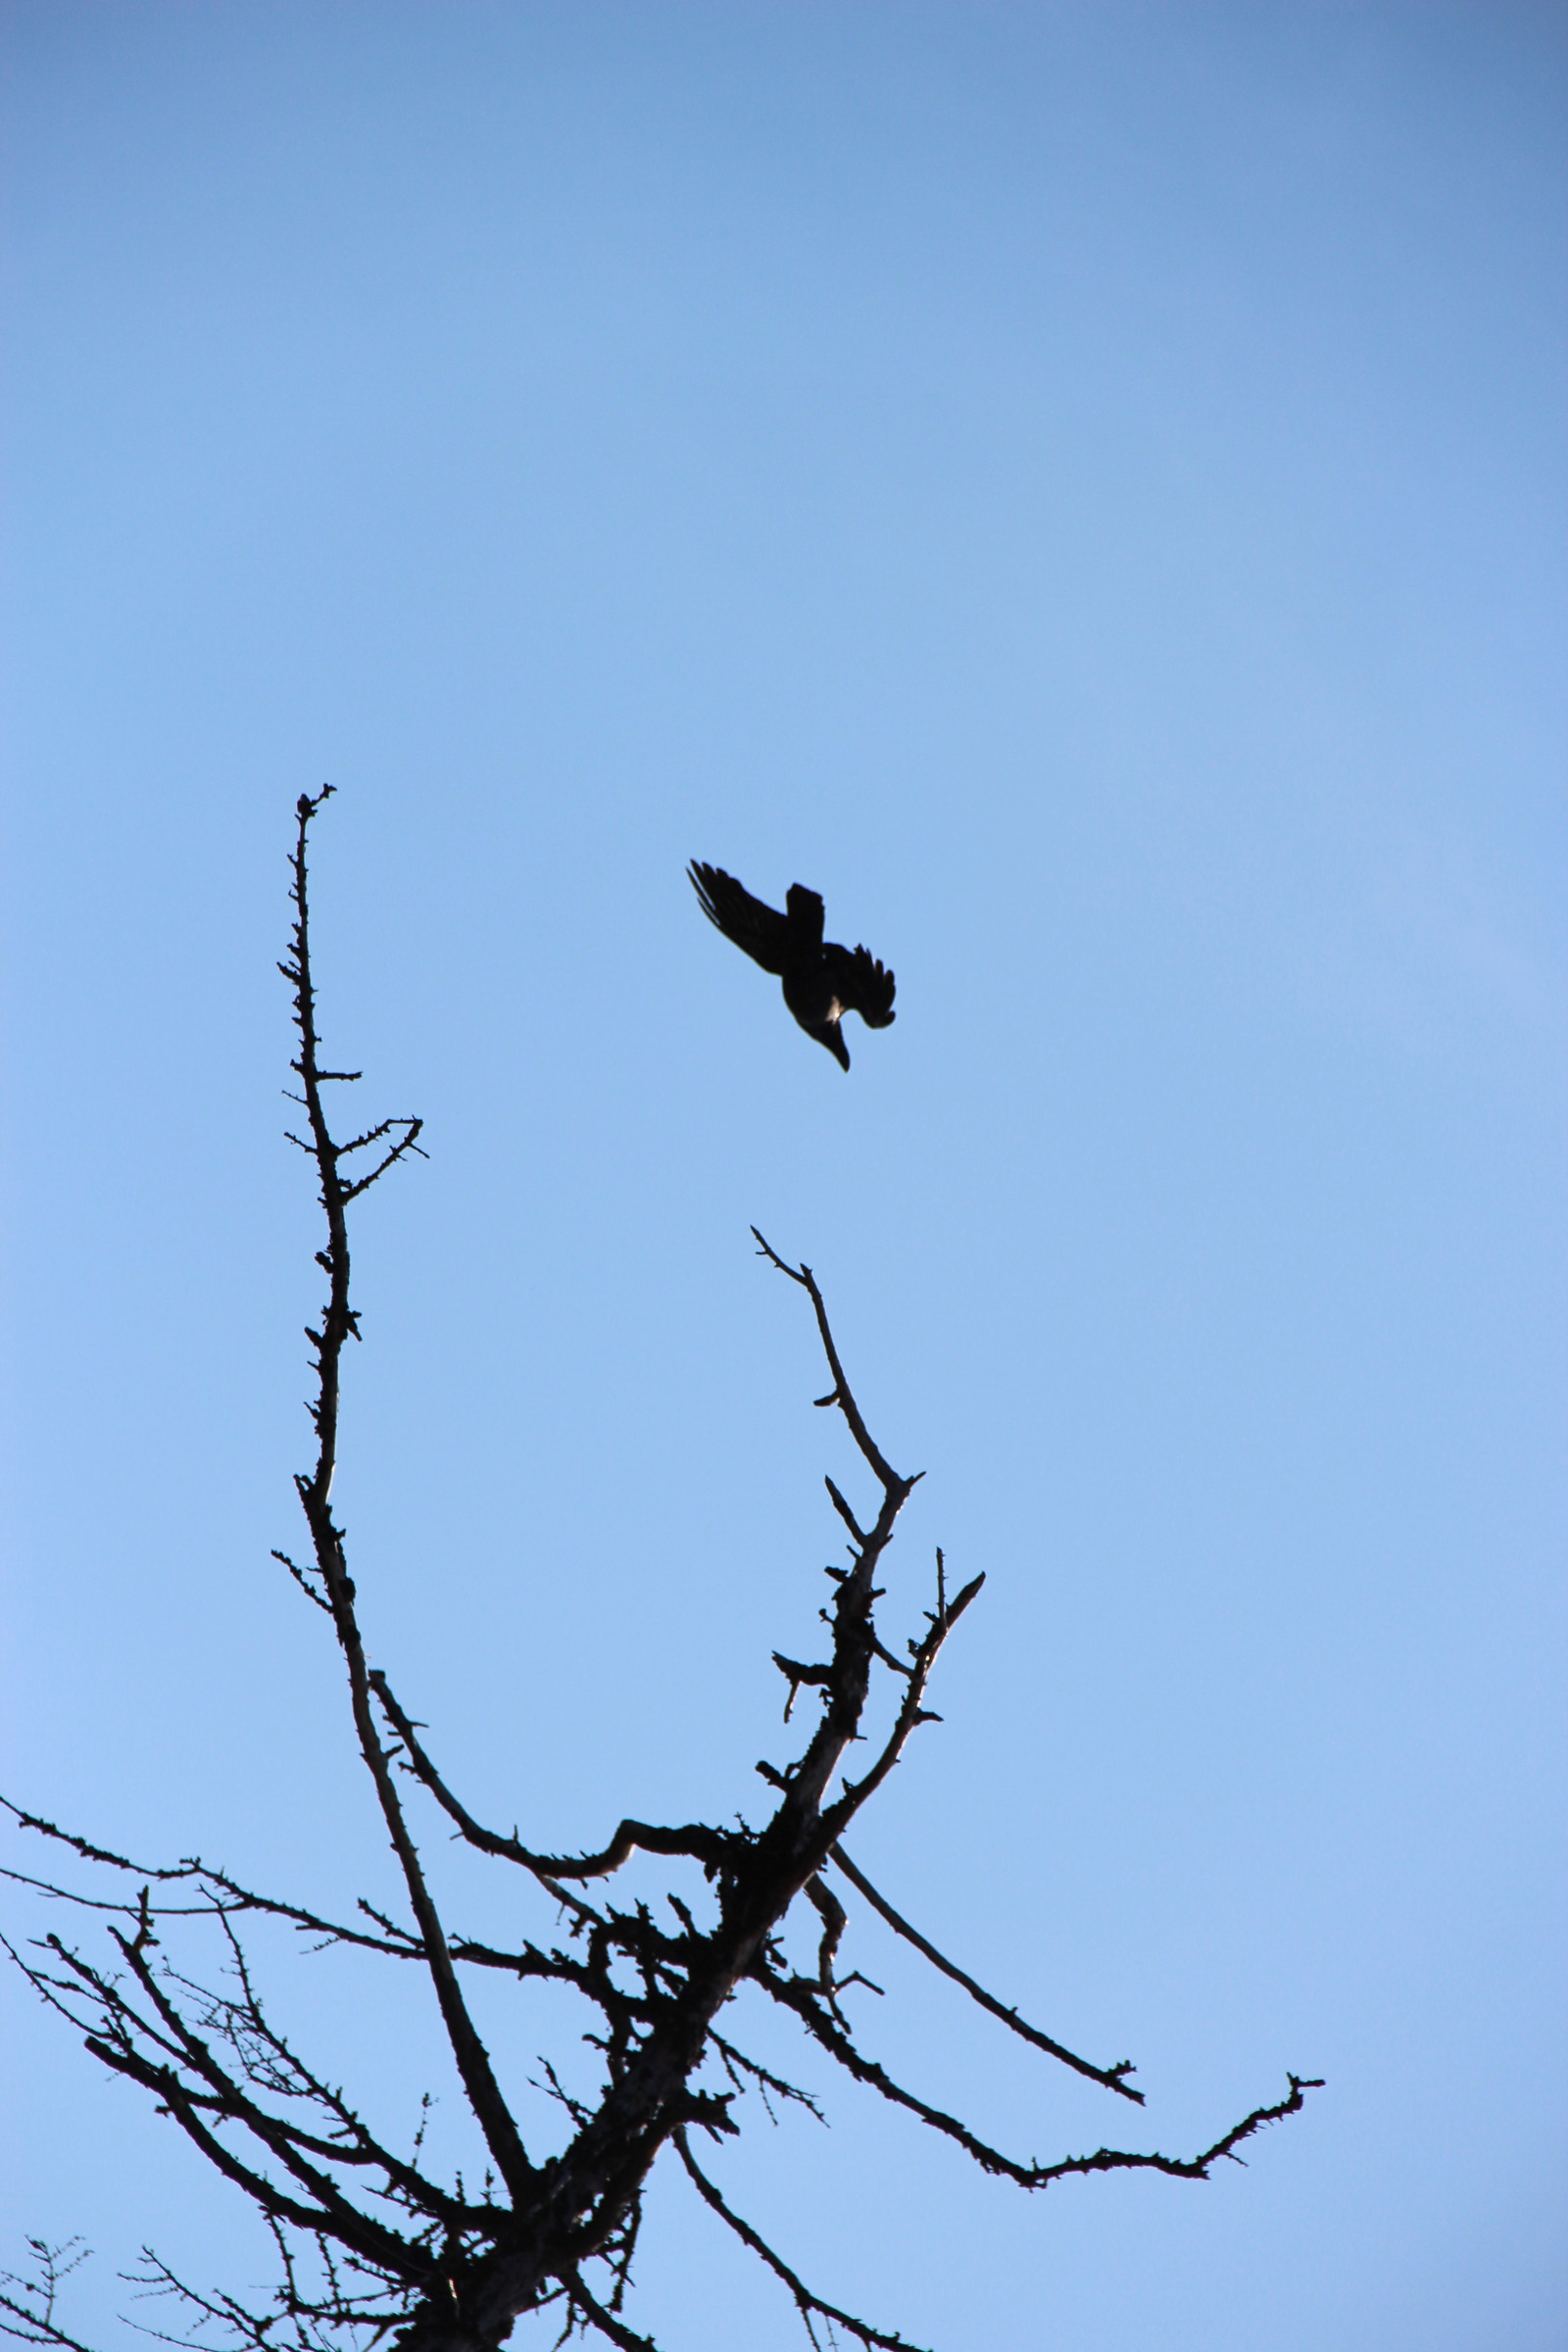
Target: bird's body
822, 981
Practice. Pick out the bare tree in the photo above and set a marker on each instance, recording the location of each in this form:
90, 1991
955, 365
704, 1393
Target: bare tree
373, 2241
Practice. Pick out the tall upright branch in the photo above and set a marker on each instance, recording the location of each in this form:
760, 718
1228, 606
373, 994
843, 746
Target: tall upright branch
338, 1324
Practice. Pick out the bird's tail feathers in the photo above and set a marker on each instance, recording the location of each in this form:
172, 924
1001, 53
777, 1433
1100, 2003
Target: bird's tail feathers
831, 1035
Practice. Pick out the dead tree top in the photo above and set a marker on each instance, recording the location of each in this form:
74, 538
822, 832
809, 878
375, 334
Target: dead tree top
373, 2241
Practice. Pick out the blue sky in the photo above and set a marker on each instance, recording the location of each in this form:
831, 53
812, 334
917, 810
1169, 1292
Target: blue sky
1083, 488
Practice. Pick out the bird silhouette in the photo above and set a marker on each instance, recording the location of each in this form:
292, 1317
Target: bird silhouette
822, 981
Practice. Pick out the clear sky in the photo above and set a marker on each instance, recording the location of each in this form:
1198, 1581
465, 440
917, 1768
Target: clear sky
1084, 489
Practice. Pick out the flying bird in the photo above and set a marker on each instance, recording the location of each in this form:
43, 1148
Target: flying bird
822, 981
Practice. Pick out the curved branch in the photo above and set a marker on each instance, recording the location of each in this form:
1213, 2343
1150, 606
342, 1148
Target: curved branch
1112, 2076
800, 1995
842, 1394
606, 2321
701, 1843
806, 2301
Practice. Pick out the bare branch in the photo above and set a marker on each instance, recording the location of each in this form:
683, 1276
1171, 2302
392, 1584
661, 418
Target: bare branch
27, 2303
806, 2303
834, 1919
801, 1995
736, 2063
845, 1513
702, 1844
842, 1394
490, 2109
1112, 2076
605, 2321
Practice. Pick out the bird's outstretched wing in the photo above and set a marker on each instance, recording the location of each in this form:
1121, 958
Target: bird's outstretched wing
761, 930
861, 984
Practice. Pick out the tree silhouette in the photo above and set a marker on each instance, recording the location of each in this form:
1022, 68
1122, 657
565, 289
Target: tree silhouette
372, 2240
